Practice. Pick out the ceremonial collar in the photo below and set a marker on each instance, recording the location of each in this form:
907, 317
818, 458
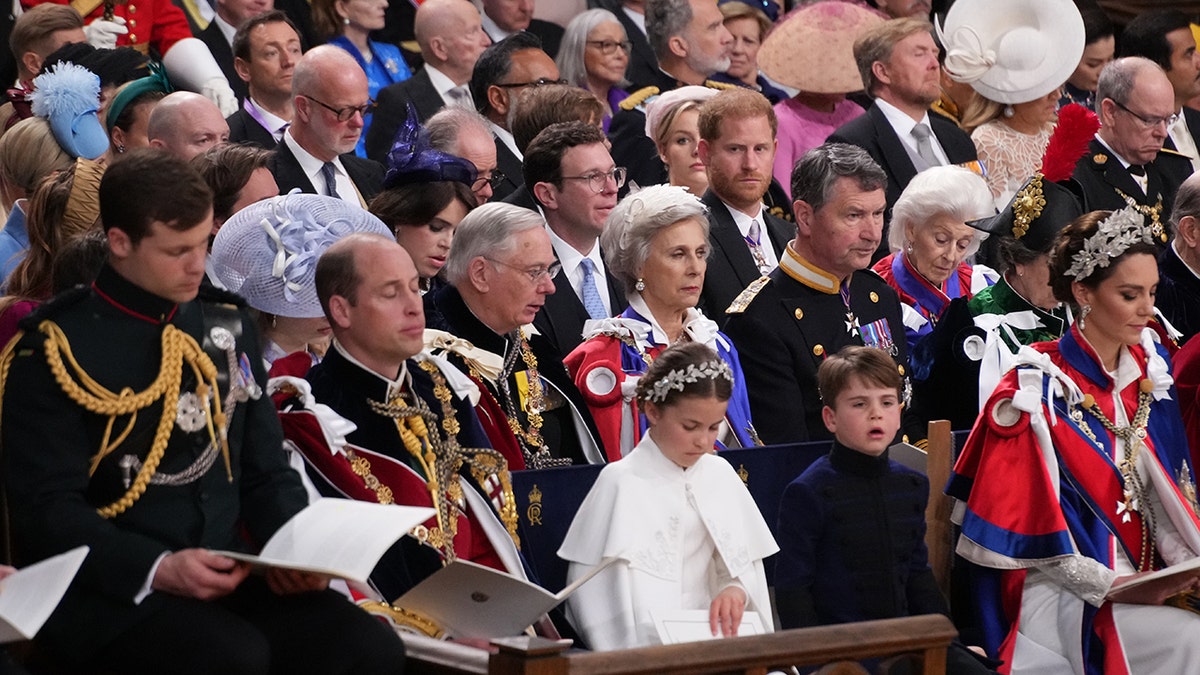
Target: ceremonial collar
930, 297
796, 267
394, 386
132, 299
462, 322
851, 461
696, 325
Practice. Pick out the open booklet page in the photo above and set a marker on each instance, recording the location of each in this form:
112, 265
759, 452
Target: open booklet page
1189, 566
340, 538
692, 625
467, 600
29, 596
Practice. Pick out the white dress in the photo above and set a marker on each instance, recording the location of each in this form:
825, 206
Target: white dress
682, 537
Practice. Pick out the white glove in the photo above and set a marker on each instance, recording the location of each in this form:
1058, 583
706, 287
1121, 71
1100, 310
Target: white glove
191, 66
103, 34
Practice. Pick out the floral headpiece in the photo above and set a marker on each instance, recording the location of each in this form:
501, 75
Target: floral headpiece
677, 379
1114, 235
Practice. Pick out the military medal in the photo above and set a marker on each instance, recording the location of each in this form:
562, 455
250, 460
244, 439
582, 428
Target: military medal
851, 320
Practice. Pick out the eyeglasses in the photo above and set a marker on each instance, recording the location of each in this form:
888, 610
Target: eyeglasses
535, 275
494, 180
1149, 122
344, 114
540, 82
609, 46
598, 180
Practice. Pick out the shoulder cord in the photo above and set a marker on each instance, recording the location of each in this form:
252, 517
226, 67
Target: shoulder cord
178, 348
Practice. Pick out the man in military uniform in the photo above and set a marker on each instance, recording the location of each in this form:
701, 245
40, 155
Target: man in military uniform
1126, 164
821, 298
691, 42
134, 423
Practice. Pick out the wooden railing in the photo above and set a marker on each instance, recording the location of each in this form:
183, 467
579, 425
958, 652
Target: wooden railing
839, 648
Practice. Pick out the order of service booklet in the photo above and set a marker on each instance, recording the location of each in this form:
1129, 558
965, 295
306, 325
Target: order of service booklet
1183, 567
692, 625
340, 538
29, 595
468, 600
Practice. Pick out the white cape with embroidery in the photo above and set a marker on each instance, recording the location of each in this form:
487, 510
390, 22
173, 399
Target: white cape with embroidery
683, 536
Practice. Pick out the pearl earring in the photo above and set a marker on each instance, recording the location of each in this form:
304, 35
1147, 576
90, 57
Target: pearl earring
346, 22
1083, 312
640, 285
1008, 111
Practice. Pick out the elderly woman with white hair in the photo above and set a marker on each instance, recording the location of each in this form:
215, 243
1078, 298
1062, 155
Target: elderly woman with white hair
930, 242
655, 243
593, 56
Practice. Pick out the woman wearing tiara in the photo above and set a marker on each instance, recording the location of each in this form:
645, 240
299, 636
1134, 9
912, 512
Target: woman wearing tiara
1076, 478
685, 531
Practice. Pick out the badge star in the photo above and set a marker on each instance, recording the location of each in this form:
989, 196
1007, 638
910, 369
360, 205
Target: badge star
851, 324
1123, 510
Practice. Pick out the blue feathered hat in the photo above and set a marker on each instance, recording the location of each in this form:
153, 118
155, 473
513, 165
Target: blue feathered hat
68, 97
413, 160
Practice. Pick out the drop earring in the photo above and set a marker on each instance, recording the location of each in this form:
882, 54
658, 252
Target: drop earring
640, 286
1008, 111
1083, 312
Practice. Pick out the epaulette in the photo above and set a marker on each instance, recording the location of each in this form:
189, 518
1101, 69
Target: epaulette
219, 295
637, 98
1176, 153
53, 307
713, 84
743, 300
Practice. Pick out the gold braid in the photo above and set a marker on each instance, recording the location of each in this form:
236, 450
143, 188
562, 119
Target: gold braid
177, 348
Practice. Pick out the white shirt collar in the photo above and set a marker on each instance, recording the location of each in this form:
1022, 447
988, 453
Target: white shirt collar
637, 18
569, 257
226, 28
276, 124
900, 121
743, 221
440, 81
394, 386
309, 164
495, 32
506, 137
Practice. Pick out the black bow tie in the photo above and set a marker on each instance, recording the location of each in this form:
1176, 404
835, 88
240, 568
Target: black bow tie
1137, 169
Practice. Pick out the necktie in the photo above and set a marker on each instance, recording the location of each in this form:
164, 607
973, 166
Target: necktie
924, 146
754, 240
327, 172
461, 96
591, 296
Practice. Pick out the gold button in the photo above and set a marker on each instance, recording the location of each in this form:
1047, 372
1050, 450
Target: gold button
874, 296
132, 23
818, 350
133, 9
799, 313
133, 38
901, 369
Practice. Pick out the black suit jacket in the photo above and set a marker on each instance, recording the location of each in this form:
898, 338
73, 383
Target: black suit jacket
300, 12
873, 133
631, 147
214, 39
512, 168
550, 33
245, 129
8, 61
561, 319
1178, 289
731, 267
366, 175
522, 198
391, 109
1100, 176
642, 70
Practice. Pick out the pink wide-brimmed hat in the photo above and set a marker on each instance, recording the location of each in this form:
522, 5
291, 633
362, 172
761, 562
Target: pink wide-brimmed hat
812, 48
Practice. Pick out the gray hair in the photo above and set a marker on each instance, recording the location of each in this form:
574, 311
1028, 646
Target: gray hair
487, 231
445, 127
941, 191
635, 222
1119, 77
571, 51
666, 19
816, 172
1187, 201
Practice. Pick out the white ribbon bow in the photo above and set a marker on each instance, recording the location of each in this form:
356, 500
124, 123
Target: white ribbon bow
966, 58
994, 356
439, 343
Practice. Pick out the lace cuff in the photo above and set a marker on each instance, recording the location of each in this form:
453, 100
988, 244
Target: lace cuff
1082, 576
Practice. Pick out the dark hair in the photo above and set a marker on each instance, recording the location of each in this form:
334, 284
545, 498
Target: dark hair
870, 365
1096, 24
540, 107
226, 168
543, 157
126, 118
814, 176
241, 39
150, 185
1146, 35
79, 260
495, 63
1071, 241
1012, 252
31, 278
677, 358
114, 67
416, 204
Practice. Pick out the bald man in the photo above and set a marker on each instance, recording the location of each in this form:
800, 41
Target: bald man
329, 95
186, 124
451, 36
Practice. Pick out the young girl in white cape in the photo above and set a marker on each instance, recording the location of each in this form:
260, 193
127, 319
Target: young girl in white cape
683, 525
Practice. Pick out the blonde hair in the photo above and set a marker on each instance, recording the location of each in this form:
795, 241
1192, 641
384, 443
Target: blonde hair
29, 153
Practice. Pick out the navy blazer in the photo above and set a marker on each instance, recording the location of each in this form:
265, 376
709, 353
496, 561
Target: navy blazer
731, 266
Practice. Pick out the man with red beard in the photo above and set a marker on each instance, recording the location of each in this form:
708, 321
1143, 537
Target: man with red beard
737, 145
574, 180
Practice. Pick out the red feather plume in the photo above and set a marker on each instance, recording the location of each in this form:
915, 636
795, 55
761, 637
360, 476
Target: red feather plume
1076, 127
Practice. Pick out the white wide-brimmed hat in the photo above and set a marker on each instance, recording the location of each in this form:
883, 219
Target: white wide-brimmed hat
267, 252
1012, 51
812, 48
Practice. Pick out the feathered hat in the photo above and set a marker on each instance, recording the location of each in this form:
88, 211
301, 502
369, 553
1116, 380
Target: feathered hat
68, 97
413, 160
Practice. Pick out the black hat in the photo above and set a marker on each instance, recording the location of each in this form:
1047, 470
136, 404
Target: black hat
1036, 214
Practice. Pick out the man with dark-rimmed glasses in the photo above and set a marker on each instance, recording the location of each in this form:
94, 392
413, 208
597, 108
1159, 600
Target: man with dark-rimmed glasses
329, 93
1126, 163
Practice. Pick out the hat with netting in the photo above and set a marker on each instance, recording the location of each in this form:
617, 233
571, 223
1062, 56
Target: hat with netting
268, 251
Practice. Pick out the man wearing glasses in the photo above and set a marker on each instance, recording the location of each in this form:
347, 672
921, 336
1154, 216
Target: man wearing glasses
467, 134
499, 274
504, 72
574, 180
329, 93
1136, 105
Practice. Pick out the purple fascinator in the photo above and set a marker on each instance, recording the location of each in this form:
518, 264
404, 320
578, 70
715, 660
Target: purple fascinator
413, 160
